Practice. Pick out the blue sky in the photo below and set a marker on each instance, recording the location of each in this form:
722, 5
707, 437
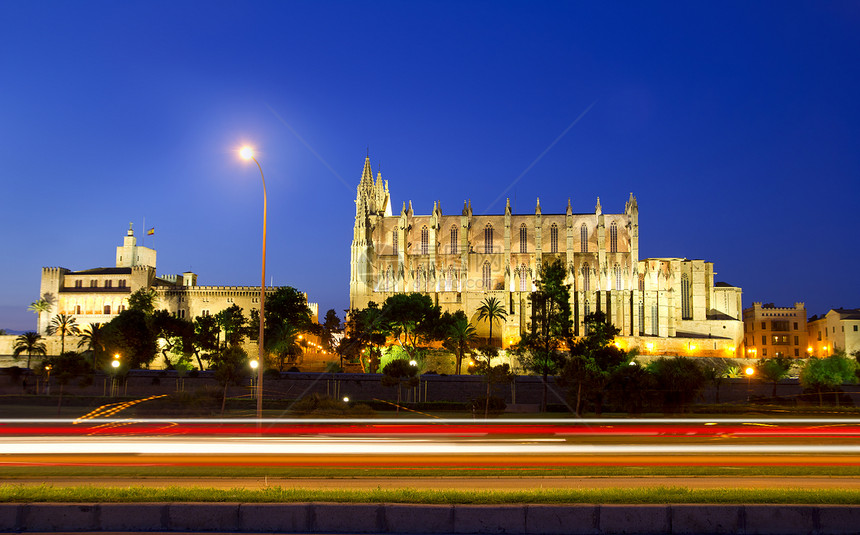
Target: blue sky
736, 125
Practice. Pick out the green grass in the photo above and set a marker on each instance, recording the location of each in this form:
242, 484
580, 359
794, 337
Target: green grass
13, 472
655, 495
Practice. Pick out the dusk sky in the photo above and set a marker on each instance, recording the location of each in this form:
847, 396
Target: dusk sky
735, 124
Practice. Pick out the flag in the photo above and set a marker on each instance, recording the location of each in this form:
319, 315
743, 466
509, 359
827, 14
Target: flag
150, 232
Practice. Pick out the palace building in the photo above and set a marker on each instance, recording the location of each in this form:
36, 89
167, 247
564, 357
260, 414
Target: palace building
98, 295
661, 305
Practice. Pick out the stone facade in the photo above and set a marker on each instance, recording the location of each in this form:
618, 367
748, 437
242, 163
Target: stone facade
839, 329
771, 331
662, 305
99, 295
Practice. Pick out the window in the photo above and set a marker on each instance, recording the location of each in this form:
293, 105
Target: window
686, 312
780, 339
455, 236
182, 314
524, 278
642, 317
796, 352
108, 284
779, 354
486, 274
106, 309
855, 328
488, 238
77, 309
613, 237
779, 325
425, 240
763, 325
524, 239
229, 299
553, 238
655, 319
796, 340
121, 284
121, 309
583, 239
586, 286
79, 284
642, 285
94, 284
819, 336
394, 240
764, 352
763, 339
795, 325
204, 312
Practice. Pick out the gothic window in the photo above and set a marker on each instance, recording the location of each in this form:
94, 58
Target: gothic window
449, 279
454, 237
108, 284
486, 274
394, 240
586, 285
417, 279
524, 278
425, 240
641, 283
655, 320
618, 277
641, 317
79, 284
488, 238
583, 239
686, 313
524, 239
613, 237
553, 238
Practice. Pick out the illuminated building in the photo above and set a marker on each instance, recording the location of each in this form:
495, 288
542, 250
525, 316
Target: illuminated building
461, 259
839, 329
98, 295
771, 331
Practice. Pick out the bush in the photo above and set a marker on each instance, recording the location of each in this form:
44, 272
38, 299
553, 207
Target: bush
319, 406
272, 374
479, 405
202, 402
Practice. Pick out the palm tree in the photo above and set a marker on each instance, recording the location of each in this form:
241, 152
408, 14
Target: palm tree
492, 310
459, 337
37, 307
93, 338
63, 324
29, 343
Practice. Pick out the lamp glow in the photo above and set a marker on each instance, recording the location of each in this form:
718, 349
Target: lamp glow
115, 364
246, 152
749, 371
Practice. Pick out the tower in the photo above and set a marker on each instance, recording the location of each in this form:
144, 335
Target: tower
372, 202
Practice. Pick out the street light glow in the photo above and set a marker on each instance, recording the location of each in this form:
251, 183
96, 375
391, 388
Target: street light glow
254, 364
115, 364
749, 371
246, 152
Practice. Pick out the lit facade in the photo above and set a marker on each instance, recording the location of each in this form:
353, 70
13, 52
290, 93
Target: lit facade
662, 305
839, 329
771, 331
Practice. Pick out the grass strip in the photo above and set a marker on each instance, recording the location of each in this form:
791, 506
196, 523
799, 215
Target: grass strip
654, 495
12, 472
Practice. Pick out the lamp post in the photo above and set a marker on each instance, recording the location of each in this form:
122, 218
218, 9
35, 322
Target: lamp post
248, 154
749, 372
254, 365
114, 387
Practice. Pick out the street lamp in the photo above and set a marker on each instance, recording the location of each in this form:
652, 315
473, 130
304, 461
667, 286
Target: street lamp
114, 388
253, 364
248, 154
750, 371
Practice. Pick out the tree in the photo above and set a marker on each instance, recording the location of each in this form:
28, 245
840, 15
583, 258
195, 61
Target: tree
286, 306
63, 325
205, 337
233, 323
174, 335
398, 373
93, 338
231, 366
827, 374
459, 336
331, 326
143, 300
40, 306
130, 334
492, 374
65, 368
366, 332
773, 370
413, 320
540, 348
492, 310
679, 378
715, 374
594, 359
29, 343
285, 345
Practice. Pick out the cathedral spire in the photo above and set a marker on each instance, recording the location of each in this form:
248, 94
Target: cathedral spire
508, 207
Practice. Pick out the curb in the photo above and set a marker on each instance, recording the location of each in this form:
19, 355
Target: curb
582, 519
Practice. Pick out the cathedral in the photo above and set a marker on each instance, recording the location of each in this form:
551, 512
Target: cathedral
663, 306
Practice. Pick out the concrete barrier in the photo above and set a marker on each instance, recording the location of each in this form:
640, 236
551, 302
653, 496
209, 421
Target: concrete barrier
429, 519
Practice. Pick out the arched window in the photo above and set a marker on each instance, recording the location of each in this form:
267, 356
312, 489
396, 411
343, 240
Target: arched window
586, 275
613, 237
449, 279
618, 278
655, 320
553, 238
488, 238
641, 283
524, 239
455, 236
686, 311
394, 245
583, 238
524, 278
486, 275
425, 240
